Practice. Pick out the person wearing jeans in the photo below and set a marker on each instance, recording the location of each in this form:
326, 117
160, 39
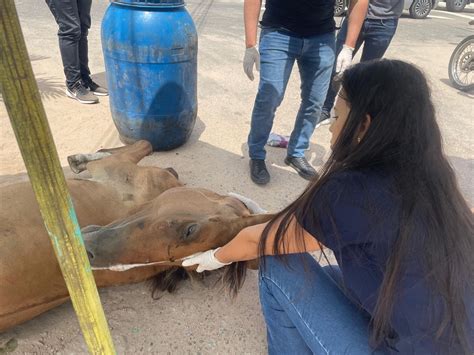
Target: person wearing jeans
392, 219
74, 20
301, 32
376, 34
278, 52
295, 317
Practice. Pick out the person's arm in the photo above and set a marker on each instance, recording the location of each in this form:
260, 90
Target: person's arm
357, 14
251, 16
252, 56
244, 247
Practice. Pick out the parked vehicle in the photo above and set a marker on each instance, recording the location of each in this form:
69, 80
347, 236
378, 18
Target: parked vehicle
417, 8
461, 64
340, 7
456, 5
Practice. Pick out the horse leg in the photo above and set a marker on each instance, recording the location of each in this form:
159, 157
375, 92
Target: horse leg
132, 153
135, 184
78, 162
22, 315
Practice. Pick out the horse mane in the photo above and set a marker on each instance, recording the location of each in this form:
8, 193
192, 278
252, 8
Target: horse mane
234, 276
232, 279
167, 280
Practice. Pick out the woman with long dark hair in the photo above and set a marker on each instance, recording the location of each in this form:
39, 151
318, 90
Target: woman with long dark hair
388, 205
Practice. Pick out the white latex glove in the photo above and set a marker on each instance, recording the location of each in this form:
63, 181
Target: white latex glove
344, 59
252, 56
206, 261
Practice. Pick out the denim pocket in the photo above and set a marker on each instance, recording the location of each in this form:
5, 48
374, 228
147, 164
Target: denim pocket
390, 24
266, 30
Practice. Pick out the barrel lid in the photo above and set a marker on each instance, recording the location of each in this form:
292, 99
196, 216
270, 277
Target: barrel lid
151, 3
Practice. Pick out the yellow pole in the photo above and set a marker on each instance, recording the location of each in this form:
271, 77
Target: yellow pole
29, 122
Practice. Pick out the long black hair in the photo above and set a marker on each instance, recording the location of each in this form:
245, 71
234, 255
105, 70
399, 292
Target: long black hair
403, 139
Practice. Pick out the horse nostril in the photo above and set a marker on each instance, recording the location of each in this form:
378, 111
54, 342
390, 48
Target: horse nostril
90, 255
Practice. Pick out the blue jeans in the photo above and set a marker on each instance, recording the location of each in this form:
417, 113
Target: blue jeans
376, 36
278, 52
307, 312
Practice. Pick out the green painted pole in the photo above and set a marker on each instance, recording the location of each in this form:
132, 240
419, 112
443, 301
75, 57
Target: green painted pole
29, 122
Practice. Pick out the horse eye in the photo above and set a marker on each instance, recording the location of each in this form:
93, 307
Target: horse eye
190, 230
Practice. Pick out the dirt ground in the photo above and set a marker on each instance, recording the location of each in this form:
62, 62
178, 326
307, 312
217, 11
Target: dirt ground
199, 318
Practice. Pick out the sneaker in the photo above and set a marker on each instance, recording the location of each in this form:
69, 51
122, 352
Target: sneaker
96, 89
302, 167
324, 119
80, 93
258, 172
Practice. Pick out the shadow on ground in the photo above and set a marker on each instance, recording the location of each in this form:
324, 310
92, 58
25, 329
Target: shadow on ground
100, 79
468, 94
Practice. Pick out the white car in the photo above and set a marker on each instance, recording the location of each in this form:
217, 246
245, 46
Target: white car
417, 8
420, 8
456, 5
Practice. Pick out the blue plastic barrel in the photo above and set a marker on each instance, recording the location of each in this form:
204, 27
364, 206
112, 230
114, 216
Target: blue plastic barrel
150, 53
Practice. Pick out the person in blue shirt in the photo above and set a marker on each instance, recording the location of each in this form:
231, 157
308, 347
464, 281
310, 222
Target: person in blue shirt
388, 205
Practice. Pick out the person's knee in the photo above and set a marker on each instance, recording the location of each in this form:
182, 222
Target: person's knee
72, 32
270, 94
280, 267
84, 31
270, 266
311, 104
310, 114
85, 25
327, 62
270, 273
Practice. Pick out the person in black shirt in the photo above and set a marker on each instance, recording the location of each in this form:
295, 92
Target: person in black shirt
301, 31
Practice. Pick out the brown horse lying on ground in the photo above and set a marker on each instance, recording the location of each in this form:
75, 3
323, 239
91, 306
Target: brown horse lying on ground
137, 222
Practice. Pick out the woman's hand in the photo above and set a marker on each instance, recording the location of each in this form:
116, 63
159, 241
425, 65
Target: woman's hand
205, 261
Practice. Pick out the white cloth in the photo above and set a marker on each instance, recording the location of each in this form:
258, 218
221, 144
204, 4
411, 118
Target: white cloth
251, 57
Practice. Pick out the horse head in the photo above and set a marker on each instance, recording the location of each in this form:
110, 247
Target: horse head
179, 222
